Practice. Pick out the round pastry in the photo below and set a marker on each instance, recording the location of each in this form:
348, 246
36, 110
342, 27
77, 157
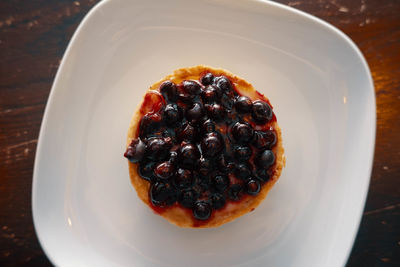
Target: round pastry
204, 147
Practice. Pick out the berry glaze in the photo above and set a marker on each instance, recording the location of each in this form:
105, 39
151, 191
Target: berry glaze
203, 146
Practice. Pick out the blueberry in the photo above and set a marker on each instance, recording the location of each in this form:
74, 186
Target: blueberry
188, 156
261, 112
220, 182
188, 197
211, 145
183, 178
224, 164
215, 111
262, 175
235, 192
164, 170
162, 194
210, 94
204, 166
135, 151
157, 148
227, 101
186, 98
217, 201
172, 114
223, 83
150, 123
265, 159
243, 104
168, 141
243, 171
208, 126
242, 153
202, 210
191, 87
253, 187
146, 170
168, 134
264, 140
207, 79
173, 157
169, 91
242, 132
187, 132
195, 112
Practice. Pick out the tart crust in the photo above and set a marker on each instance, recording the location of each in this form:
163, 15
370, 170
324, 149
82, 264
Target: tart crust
183, 217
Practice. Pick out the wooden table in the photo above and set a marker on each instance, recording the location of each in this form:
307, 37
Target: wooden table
34, 35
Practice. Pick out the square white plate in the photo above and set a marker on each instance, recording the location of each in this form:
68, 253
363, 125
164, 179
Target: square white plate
85, 211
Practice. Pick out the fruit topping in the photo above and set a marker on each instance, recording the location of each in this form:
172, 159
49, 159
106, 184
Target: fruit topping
202, 210
203, 144
135, 151
242, 132
207, 79
261, 112
169, 91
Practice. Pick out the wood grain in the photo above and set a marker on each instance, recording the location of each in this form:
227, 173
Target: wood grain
33, 37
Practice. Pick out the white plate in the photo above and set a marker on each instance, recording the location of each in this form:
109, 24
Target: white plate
86, 213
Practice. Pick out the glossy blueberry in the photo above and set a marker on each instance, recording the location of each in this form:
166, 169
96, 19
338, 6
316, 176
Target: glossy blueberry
220, 182
218, 201
264, 139
173, 157
265, 159
187, 132
168, 134
169, 91
211, 145
262, 175
243, 104
150, 123
243, 171
207, 79
203, 183
253, 187
188, 156
208, 126
162, 194
215, 111
261, 112
242, 153
172, 114
235, 192
242, 132
195, 112
135, 151
168, 141
225, 164
188, 197
146, 170
186, 98
204, 166
183, 178
164, 170
157, 148
210, 94
191, 87
223, 83
202, 210
227, 101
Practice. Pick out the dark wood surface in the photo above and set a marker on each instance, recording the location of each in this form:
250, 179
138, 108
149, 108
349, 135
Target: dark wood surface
33, 37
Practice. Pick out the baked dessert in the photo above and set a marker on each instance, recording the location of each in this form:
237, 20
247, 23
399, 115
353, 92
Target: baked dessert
204, 147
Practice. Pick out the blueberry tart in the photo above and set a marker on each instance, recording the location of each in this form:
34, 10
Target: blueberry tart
204, 147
